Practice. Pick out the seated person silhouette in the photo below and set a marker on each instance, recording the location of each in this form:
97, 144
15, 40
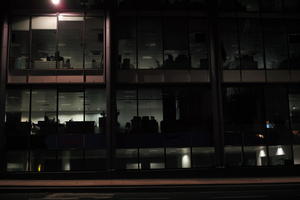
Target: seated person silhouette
67, 64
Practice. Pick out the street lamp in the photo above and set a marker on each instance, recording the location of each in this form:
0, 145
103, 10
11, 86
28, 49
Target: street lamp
55, 2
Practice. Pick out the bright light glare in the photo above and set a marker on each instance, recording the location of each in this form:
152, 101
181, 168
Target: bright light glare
55, 2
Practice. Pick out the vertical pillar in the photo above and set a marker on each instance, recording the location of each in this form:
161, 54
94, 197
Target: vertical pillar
4, 54
216, 83
110, 55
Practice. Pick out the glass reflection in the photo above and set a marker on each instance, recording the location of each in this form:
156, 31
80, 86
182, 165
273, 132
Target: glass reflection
70, 43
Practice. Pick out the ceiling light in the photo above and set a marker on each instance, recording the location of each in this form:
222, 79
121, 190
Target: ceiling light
55, 2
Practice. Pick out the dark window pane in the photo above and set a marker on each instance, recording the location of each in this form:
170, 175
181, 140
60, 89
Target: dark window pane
127, 159
277, 115
198, 43
95, 110
176, 4
94, 44
251, 44
127, 42
127, 109
43, 112
149, 4
19, 46
255, 156
152, 158
229, 44
43, 161
150, 110
203, 157
128, 4
17, 118
248, 5
70, 113
271, 5
294, 43
150, 43
178, 158
70, 44
44, 43
17, 161
294, 105
291, 5
227, 5
198, 4
70, 160
95, 159
175, 43
280, 155
275, 45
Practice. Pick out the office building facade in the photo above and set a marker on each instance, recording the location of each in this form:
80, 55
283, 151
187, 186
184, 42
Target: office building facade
153, 85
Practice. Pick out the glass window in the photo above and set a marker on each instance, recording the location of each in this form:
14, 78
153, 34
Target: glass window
94, 43
126, 4
296, 149
203, 157
178, 158
277, 115
127, 159
70, 160
70, 42
227, 5
17, 124
150, 108
275, 52
44, 54
43, 161
198, 4
280, 155
251, 44
233, 155
175, 43
294, 43
271, 5
70, 113
95, 109
127, 110
19, 45
43, 112
150, 43
17, 161
244, 124
17, 105
229, 44
150, 4
95, 159
198, 43
152, 158
177, 4
255, 156
294, 109
127, 42
248, 5
291, 5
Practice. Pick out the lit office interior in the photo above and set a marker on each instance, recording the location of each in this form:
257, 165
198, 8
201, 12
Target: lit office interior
163, 123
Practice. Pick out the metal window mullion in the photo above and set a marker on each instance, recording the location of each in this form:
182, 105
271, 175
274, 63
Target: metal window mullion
83, 41
30, 64
290, 136
28, 137
188, 19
